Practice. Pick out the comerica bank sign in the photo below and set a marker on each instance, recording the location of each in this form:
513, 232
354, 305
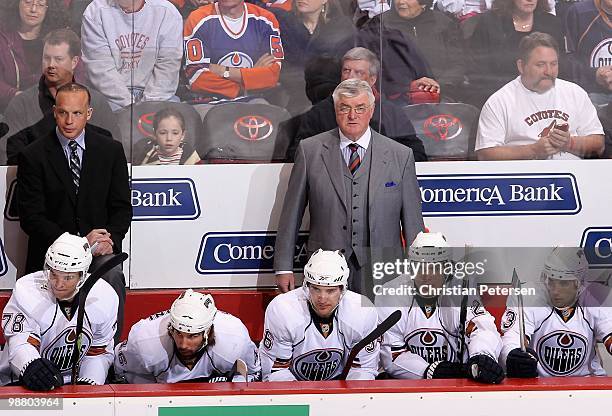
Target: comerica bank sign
244, 252
164, 199
499, 194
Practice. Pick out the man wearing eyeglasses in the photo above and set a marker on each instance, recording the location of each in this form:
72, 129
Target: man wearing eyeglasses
392, 122
359, 187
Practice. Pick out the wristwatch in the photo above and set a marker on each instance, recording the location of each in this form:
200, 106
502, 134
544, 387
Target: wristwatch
226, 73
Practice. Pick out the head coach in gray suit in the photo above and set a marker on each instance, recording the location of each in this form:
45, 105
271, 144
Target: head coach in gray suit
359, 187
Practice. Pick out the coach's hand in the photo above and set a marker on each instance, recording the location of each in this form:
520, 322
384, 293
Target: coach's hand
285, 282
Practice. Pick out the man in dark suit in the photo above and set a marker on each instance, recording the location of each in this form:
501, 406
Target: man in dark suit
359, 186
75, 180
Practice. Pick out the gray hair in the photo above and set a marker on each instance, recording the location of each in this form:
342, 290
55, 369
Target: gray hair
363, 54
353, 87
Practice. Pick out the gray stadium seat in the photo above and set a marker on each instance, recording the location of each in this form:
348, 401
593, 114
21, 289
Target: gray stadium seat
243, 133
448, 130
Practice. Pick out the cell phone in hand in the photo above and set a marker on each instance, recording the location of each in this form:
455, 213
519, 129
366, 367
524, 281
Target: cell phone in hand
562, 126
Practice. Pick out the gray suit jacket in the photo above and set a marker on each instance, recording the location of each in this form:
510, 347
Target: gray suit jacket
316, 180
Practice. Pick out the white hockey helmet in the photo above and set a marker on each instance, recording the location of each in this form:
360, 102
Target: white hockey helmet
70, 254
193, 313
327, 268
565, 263
429, 248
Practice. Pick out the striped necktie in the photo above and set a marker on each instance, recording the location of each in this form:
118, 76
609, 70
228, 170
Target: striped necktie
75, 163
354, 160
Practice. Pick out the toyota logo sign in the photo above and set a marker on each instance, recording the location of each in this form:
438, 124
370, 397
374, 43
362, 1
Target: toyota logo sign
253, 128
442, 127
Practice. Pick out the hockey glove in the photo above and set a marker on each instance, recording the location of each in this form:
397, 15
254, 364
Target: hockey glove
485, 369
41, 375
444, 369
522, 364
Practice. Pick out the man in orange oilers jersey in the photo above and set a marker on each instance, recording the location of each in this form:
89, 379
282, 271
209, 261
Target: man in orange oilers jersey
232, 49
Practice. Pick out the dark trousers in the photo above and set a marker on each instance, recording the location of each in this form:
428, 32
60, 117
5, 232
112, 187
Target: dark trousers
116, 279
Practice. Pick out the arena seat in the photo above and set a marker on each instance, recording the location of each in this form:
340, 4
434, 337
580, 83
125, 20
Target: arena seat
448, 130
136, 125
243, 133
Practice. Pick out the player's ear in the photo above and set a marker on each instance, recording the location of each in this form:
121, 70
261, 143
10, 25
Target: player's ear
519, 65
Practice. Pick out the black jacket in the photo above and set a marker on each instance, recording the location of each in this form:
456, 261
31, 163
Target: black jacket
47, 198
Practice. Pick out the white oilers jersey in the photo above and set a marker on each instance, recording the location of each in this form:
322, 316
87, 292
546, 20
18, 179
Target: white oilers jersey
149, 356
563, 348
35, 326
430, 333
293, 348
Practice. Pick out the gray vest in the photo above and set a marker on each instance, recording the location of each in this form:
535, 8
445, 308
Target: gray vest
356, 199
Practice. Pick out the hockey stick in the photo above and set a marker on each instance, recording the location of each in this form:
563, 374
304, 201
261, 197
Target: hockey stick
517, 284
239, 367
463, 311
383, 327
104, 268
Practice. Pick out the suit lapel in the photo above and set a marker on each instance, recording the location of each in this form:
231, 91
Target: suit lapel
378, 168
333, 163
59, 164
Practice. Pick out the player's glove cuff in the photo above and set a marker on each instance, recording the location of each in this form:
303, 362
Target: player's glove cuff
444, 369
84, 381
484, 369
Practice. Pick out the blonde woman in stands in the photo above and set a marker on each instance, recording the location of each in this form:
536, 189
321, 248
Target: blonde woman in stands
168, 145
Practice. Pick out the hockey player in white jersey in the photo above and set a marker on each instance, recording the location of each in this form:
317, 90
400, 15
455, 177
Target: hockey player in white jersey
39, 322
309, 331
426, 342
191, 342
561, 325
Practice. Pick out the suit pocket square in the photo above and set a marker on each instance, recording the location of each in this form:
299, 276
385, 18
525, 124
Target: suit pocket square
390, 184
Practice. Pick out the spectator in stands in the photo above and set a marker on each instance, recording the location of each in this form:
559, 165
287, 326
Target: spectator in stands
537, 116
133, 50
75, 180
232, 50
312, 29
362, 64
321, 75
464, 9
187, 6
347, 177
588, 28
403, 61
494, 45
168, 145
437, 36
24, 24
33, 110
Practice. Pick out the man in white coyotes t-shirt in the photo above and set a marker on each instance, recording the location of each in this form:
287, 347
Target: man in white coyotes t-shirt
537, 116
